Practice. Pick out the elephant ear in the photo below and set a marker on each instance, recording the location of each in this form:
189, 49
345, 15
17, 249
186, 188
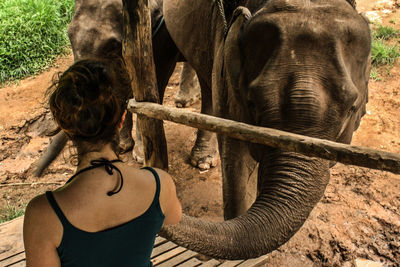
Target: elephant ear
352, 3
232, 54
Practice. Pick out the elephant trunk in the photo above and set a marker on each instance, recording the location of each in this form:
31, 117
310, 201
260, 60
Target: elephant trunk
56, 146
290, 185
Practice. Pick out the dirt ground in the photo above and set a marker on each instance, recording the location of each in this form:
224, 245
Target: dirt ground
358, 217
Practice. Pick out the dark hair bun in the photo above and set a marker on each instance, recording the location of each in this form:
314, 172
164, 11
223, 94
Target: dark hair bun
88, 100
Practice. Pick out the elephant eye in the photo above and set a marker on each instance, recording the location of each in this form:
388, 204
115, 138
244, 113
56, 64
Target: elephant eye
112, 46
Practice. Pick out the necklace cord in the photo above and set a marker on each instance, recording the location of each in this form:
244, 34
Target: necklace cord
108, 166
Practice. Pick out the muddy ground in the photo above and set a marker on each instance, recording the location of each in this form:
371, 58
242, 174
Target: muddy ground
358, 217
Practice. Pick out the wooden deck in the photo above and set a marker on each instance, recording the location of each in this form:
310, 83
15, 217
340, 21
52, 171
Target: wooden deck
165, 253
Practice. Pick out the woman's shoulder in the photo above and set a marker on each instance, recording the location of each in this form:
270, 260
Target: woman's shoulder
41, 219
169, 202
37, 206
164, 177
40, 211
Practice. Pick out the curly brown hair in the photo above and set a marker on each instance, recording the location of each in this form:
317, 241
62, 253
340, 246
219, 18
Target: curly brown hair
88, 100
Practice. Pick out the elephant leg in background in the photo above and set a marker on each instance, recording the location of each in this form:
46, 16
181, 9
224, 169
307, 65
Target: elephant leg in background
239, 172
204, 153
126, 142
137, 152
57, 144
189, 87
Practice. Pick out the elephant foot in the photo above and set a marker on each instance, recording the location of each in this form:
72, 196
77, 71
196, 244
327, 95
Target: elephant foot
184, 101
126, 142
204, 158
204, 163
139, 159
137, 152
126, 145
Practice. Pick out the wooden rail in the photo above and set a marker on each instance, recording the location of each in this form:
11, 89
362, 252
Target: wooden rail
314, 147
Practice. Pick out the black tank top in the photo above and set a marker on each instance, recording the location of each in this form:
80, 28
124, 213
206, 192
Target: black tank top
129, 244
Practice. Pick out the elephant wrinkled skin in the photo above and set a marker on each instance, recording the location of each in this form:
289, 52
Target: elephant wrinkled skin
295, 65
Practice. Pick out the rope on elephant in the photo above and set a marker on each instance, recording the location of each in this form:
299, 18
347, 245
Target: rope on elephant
220, 6
313, 147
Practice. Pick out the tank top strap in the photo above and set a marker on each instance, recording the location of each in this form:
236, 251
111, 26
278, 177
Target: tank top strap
56, 208
158, 185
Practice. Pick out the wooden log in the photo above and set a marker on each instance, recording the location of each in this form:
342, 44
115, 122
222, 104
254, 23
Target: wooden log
313, 147
31, 184
138, 54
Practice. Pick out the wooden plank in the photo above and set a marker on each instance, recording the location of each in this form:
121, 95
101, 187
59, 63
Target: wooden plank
11, 238
19, 264
9, 254
254, 262
231, 263
13, 260
159, 241
190, 263
211, 263
162, 249
167, 255
185, 256
313, 147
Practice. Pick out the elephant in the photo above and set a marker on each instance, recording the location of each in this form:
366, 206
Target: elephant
300, 66
96, 30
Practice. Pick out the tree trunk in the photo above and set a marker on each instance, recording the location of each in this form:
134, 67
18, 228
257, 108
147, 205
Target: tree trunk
138, 54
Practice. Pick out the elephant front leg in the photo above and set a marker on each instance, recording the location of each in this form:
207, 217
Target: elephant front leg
137, 152
239, 177
126, 142
204, 154
189, 87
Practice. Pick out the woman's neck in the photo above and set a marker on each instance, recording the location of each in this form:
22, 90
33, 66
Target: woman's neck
106, 152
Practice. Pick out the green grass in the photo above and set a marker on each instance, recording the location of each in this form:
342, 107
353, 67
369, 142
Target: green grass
384, 32
10, 212
374, 75
32, 34
384, 51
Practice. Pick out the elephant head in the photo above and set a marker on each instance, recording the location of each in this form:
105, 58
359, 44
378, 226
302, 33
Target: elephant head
96, 27
296, 65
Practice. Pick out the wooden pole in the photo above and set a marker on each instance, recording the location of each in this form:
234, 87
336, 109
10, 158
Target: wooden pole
138, 54
313, 147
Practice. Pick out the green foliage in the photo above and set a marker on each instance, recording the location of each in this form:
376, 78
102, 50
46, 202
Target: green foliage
383, 54
384, 51
32, 34
384, 32
10, 212
374, 75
